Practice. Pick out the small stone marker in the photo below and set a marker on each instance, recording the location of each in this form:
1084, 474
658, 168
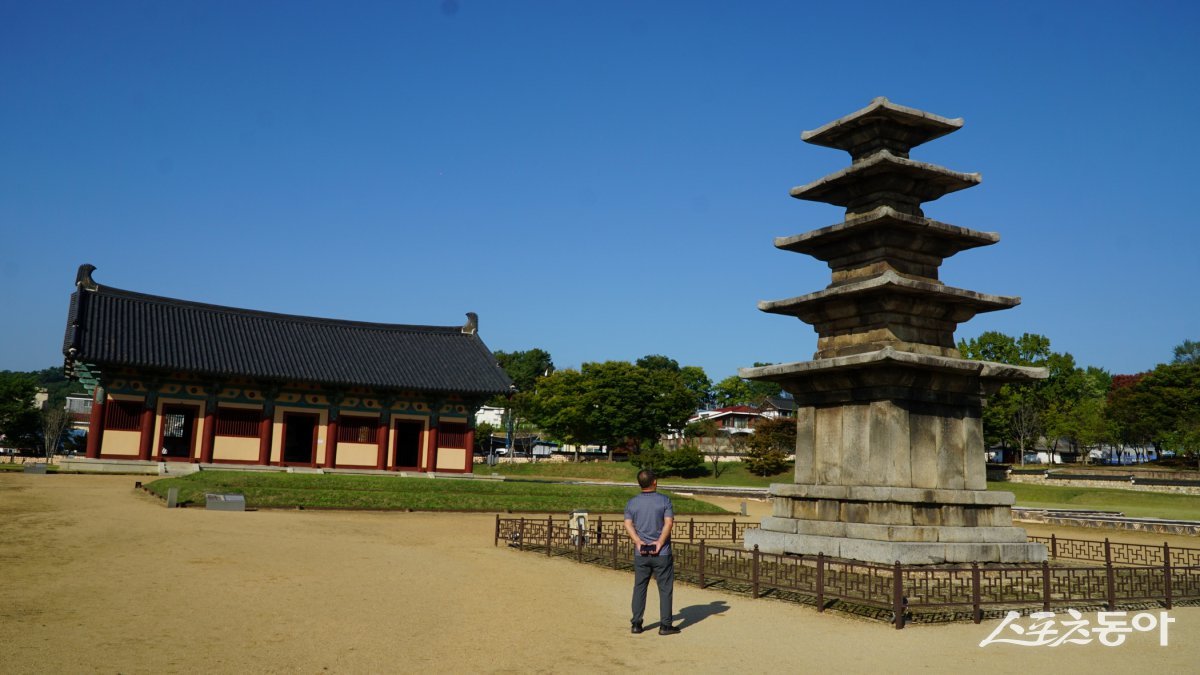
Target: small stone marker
35, 468
744, 509
220, 502
172, 497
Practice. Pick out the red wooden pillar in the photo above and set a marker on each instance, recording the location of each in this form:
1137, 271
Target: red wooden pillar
432, 445
331, 434
96, 424
266, 427
470, 448
381, 440
210, 432
146, 440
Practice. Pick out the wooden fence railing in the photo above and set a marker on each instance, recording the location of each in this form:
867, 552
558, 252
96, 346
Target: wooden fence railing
1119, 574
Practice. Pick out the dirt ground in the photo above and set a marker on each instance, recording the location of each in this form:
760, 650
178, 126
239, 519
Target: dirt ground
100, 578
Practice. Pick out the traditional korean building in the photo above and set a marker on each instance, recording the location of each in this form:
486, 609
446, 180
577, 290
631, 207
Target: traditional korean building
179, 381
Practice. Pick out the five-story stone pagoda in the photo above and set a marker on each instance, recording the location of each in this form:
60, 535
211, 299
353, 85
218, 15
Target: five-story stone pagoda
890, 460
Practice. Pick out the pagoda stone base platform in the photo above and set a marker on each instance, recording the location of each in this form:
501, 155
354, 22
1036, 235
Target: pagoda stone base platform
887, 524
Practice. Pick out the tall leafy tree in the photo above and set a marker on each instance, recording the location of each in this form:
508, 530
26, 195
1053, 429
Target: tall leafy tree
1020, 414
733, 390
697, 382
19, 419
770, 444
524, 368
693, 377
611, 403
1085, 423
1187, 351
1161, 407
658, 362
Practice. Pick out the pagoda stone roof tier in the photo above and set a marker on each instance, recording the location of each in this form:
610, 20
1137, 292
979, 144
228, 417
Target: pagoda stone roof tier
914, 315
882, 125
892, 374
884, 179
884, 239
892, 284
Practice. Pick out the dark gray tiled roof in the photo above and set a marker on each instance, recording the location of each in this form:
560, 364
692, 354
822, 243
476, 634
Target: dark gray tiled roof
112, 327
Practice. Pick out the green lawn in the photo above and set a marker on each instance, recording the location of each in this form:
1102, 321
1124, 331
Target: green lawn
283, 490
734, 475
1130, 502
6, 466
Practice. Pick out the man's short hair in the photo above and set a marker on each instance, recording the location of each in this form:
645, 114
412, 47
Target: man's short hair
646, 478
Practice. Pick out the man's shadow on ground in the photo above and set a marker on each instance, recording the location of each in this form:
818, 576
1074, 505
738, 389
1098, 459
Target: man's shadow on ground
690, 616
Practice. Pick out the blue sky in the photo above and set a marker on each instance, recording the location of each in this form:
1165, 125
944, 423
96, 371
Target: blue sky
602, 180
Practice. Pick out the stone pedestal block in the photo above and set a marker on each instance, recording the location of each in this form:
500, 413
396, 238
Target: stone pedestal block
884, 524
887, 552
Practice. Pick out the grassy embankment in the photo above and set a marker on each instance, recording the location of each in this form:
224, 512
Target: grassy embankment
1133, 503
5, 465
734, 475
282, 490
1130, 502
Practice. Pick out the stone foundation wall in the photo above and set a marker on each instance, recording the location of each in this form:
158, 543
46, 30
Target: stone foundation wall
1036, 479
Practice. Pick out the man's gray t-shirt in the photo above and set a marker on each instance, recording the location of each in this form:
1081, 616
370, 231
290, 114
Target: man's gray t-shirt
647, 510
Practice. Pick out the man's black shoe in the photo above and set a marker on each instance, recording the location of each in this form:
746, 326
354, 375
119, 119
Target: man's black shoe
636, 628
667, 629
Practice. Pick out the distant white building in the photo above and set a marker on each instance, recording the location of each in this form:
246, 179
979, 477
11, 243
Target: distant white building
491, 415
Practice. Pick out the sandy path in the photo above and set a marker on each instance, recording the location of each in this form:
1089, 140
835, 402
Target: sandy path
98, 578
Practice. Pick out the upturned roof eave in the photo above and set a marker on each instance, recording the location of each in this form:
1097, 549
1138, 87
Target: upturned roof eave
824, 189
895, 283
889, 357
884, 217
501, 387
936, 126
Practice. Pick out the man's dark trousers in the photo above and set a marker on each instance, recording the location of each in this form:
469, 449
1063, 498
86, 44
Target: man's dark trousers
663, 569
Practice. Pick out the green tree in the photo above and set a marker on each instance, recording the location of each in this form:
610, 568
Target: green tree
526, 368
696, 381
611, 403
19, 419
1162, 407
559, 407
658, 362
1187, 352
54, 380
1020, 414
685, 461
719, 448
733, 390
769, 446
693, 377
483, 435
1131, 411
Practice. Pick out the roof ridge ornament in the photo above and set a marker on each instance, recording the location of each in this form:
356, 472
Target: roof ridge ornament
471, 327
83, 278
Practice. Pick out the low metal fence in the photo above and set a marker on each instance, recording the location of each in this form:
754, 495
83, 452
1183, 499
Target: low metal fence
1118, 553
1120, 574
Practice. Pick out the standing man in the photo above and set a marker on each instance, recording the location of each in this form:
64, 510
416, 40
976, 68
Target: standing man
648, 520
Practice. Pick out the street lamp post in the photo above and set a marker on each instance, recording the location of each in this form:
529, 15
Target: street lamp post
512, 389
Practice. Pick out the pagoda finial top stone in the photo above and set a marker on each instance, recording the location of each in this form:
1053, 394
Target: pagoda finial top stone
882, 125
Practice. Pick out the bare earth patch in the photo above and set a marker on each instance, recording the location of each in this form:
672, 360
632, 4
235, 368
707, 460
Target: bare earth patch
100, 578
